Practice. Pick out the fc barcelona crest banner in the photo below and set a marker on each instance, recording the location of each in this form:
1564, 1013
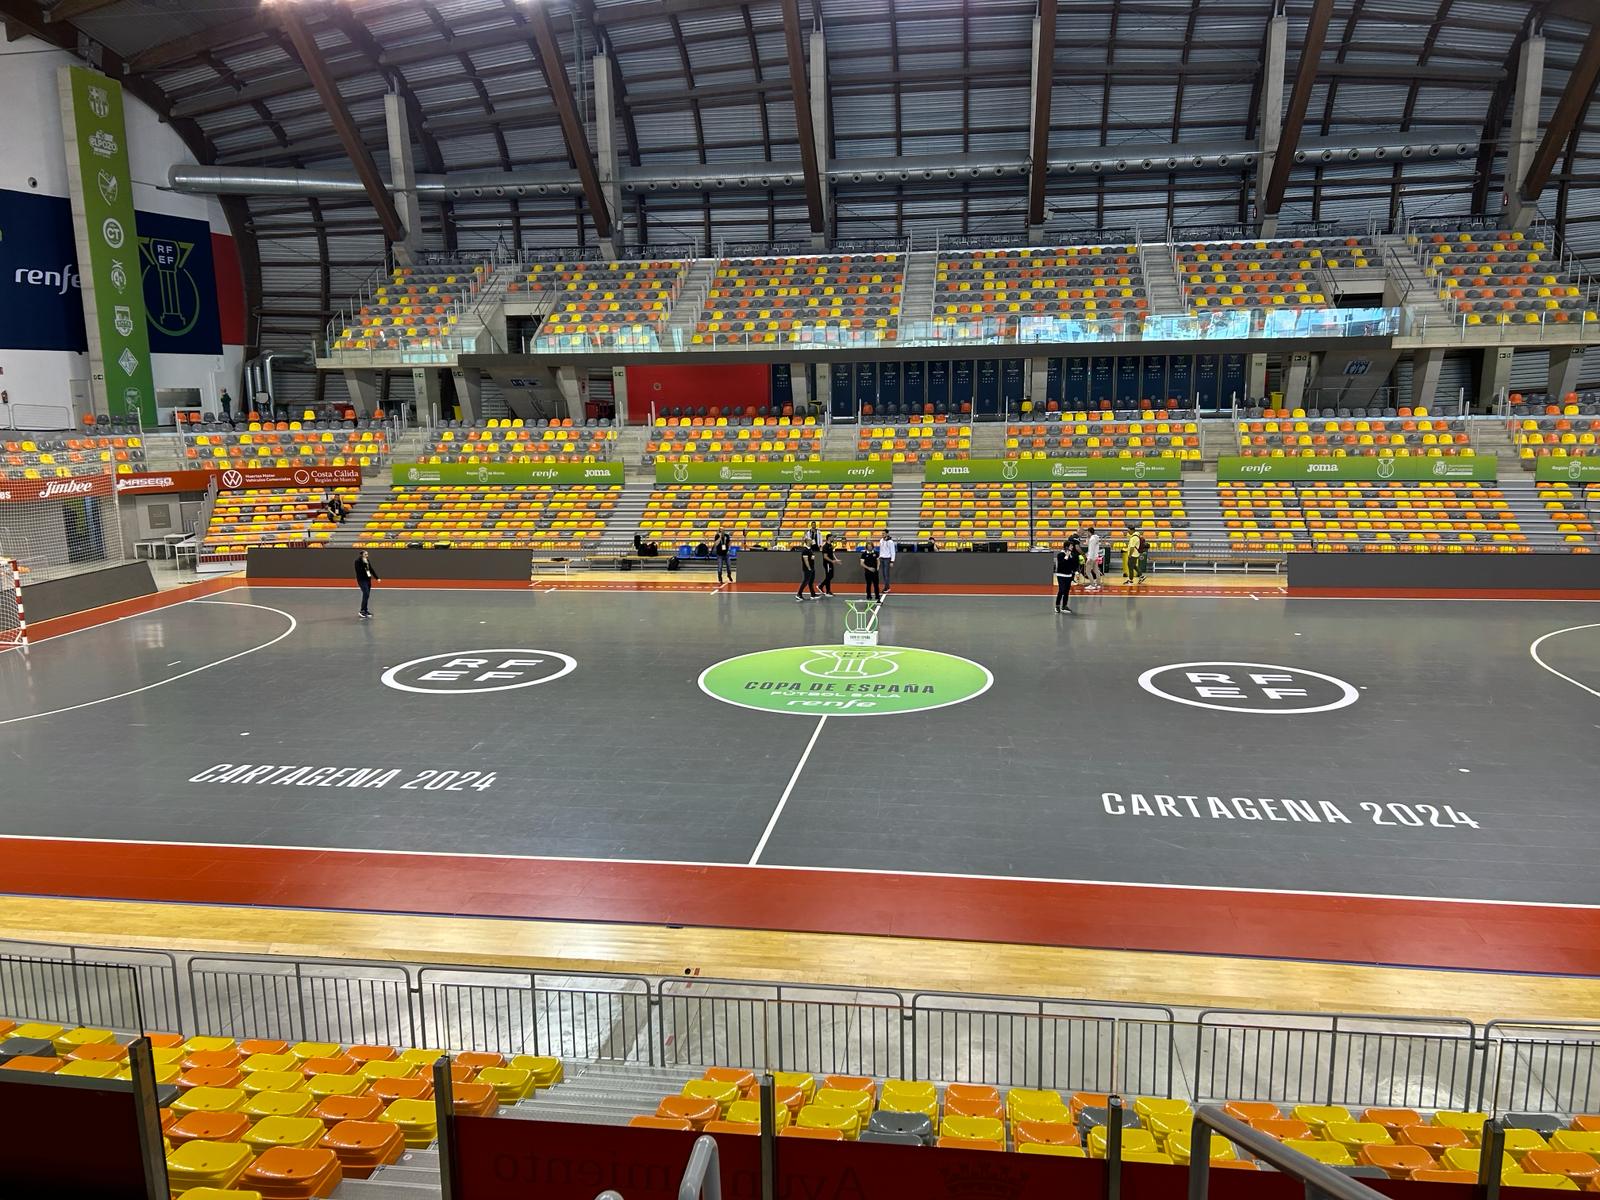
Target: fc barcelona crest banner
109, 254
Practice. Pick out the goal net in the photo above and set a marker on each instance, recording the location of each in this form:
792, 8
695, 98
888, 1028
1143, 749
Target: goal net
13, 622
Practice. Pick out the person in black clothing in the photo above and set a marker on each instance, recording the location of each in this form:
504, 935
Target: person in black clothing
722, 547
334, 506
365, 578
830, 560
869, 571
1069, 559
808, 571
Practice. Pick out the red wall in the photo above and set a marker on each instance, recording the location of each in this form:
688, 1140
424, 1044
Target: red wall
699, 386
230, 288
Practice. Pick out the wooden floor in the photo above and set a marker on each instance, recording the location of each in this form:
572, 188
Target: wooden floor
905, 964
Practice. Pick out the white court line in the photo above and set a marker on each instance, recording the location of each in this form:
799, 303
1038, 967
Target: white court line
293, 625
755, 859
1533, 652
670, 862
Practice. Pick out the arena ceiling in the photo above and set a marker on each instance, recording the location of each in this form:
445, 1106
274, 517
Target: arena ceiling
706, 83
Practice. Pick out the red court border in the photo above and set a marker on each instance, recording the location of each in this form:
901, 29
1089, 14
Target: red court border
1457, 934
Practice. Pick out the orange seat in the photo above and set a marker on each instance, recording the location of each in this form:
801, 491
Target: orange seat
819, 1135
262, 1046
363, 1146
1044, 1133
1433, 1138
852, 1083
208, 1126
1397, 1162
1438, 1175
414, 1087
41, 1064
964, 1143
218, 1077
474, 1099
1284, 1129
732, 1127
99, 1052
366, 1054
289, 1173
1392, 1119
660, 1123
694, 1109
1582, 1169
478, 1059
342, 1065
742, 1079
348, 1108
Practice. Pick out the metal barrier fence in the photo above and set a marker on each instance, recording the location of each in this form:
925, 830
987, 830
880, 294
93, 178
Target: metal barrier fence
1009, 1041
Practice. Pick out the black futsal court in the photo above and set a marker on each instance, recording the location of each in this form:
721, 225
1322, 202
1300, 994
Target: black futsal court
1433, 749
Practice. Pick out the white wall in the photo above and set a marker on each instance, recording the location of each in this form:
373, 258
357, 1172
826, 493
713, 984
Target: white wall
31, 149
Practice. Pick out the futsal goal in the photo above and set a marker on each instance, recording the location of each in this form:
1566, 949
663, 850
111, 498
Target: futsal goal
13, 621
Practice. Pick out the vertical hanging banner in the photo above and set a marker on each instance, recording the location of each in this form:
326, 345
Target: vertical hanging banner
96, 144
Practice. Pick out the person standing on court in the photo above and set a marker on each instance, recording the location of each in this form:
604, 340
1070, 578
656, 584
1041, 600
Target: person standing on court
1091, 566
869, 571
813, 538
886, 549
1068, 560
365, 578
830, 561
808, 571
722, 547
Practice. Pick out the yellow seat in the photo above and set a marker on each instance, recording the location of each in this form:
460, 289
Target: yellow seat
1045, 1148
209, 1043
320, 1087
1469, 1158
1470, 1123
1331, 1153
510, 1084
209, 1099
69, 1040
1583, 1141
1037, 1106
268, 1062
277, 1104
1147, 1156
1140, 1141
90, 1070
1148, 1106
1180, 1145
1352, 1134
391, 1068
1555, 1183
1519, 1141
273, 1081
823, 1116
36, 1030
723, 1094
305, 1050
1319, 1115
748, 1112
416, 1119
201, 1163
211, 1193
796, 1079
423, 1060
857, 1102
543, 1070
978, 1129
302, 1133
910, 1096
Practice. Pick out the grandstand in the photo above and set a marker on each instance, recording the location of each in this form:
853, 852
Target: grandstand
431, 769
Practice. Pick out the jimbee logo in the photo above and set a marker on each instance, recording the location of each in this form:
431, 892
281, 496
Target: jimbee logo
1262, 689
470, 672
171, 293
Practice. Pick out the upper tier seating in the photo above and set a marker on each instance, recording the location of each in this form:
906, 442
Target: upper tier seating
851, 513
1502, 277
1263, 518
924, 439
62, 455
243, 519
513, 440
687, 515
854, 297
517, 518
1410, 516
625, 303
735, 439
1055, 437
954, 516
414, 302
1539, 437
1571, 405
285, 444
1271, 273
1080, 283
1298, 436
1156, 510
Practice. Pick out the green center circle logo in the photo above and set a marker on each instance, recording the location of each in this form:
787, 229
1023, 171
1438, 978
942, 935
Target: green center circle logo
845, 681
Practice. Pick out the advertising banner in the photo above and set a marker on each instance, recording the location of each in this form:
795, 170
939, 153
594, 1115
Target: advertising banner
1311, 470
108, 243
1043, 470
774, 472
231, 480
1557, 469
28, 491
531, 474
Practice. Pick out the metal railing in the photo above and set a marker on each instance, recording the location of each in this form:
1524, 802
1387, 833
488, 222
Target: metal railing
1016, 1041
1320, 1179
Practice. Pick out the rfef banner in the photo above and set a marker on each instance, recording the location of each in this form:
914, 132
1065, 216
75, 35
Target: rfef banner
108, 241
1557, 469
1043, 470
1400, 470
774, 472
239, 480
30, 491
532, 474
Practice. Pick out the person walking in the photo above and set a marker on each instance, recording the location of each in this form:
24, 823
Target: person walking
869, 571
886, 550
1091, 566
808, 571
365, 578
1068, 560
722, 547
830, 562
225, 403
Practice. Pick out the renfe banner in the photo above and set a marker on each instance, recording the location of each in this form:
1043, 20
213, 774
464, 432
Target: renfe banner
511, 474
108, 241
79, 487
1042, 470
774, 472
1400, 470
1558, 469
232, 480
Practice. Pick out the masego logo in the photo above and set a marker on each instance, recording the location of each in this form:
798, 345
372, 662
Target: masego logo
232, 479
145, 484
66, 487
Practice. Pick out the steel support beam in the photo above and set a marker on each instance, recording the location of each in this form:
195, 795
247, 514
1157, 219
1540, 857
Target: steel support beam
804, 126
1044, 59
1580, 87
820, 122
1269, 120
402, 170
555, 77
71, 10
1305, 78
1524, 129
305, 46
605, 141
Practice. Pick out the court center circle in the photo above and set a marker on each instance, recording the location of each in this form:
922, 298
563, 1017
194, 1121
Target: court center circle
845, 681
1258, 689
472, 672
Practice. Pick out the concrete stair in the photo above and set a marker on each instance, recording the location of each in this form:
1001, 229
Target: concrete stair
1160, 280
989, 439
353, 532
905, 507
685, 314
916, 291
839, 443
626, 517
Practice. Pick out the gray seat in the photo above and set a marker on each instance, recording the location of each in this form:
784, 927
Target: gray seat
892, 1139
16, 1047
1090, 1117
1544, 1124
916, 1125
